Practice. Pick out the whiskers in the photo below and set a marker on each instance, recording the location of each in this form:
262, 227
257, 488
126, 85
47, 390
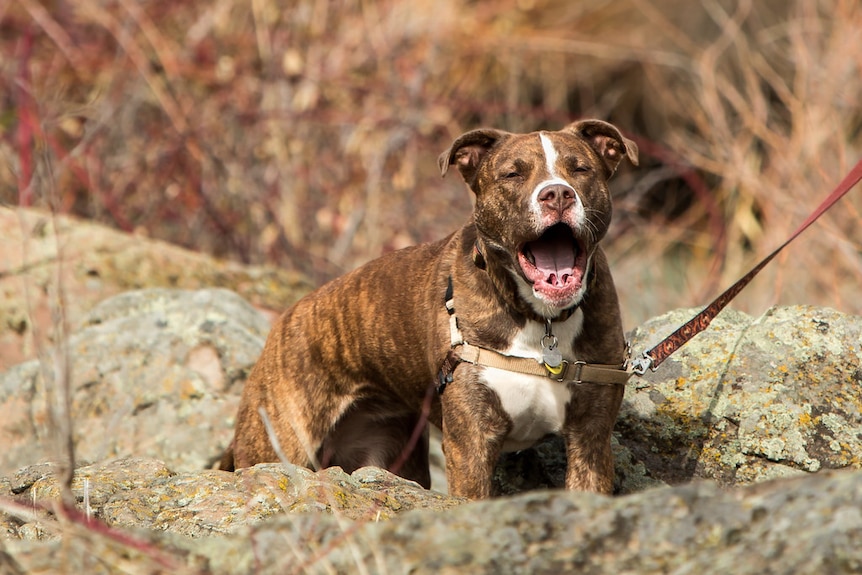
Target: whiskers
591, 227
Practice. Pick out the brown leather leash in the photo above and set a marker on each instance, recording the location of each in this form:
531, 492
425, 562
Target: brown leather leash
654, 357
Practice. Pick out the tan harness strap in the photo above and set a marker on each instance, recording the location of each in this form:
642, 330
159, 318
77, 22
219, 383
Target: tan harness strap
573, 372
570, 373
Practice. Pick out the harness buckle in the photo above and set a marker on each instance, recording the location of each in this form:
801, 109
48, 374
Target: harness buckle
576, 377
562, 374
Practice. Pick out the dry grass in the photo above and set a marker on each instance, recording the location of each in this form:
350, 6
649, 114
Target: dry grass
306, 136
771, 117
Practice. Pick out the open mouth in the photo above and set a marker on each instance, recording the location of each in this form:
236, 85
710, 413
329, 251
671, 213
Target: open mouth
554, 263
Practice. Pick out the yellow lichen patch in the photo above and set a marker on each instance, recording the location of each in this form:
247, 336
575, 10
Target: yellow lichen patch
283, 483
710, 454
189, 390
805, 419
341, 497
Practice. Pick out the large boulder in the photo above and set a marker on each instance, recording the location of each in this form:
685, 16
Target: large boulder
750, 398
144, 493
154, 373
811, 524
55, 269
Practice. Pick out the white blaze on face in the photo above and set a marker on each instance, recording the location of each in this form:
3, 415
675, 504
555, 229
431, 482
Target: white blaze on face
550, 154
553, 177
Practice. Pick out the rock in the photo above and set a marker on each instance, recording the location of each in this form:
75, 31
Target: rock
152, 373
45, 259
811, 524
143, 493
749, 399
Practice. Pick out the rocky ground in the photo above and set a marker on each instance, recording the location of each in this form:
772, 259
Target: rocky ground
740, 454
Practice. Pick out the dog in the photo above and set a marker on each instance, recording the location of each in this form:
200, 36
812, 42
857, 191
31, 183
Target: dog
352, 374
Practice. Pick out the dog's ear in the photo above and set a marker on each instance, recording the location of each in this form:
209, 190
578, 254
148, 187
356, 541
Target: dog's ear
607, 141
468, 151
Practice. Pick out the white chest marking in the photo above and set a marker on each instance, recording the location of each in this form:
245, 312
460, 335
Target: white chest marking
536, 405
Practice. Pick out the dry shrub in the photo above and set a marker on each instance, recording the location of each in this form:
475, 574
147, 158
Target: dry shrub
305, 134
767, 110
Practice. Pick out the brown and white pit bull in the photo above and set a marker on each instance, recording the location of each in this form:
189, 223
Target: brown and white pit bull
348, 374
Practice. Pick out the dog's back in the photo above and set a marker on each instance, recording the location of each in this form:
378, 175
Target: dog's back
344, 372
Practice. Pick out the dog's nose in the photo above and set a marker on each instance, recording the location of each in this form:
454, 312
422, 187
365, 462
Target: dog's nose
557, 197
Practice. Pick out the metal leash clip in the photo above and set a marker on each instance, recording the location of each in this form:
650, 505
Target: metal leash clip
641, 364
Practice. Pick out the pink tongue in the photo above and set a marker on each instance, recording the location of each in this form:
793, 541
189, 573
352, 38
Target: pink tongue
555, 259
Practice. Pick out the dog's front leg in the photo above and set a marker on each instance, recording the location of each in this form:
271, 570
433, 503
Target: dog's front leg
474, 428
589, 424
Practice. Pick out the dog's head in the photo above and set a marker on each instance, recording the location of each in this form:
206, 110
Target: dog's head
542, 203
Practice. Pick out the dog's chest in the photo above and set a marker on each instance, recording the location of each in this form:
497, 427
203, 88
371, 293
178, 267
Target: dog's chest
535, 404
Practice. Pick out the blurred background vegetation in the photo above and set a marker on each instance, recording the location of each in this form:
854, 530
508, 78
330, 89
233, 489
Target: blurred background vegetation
305, 134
